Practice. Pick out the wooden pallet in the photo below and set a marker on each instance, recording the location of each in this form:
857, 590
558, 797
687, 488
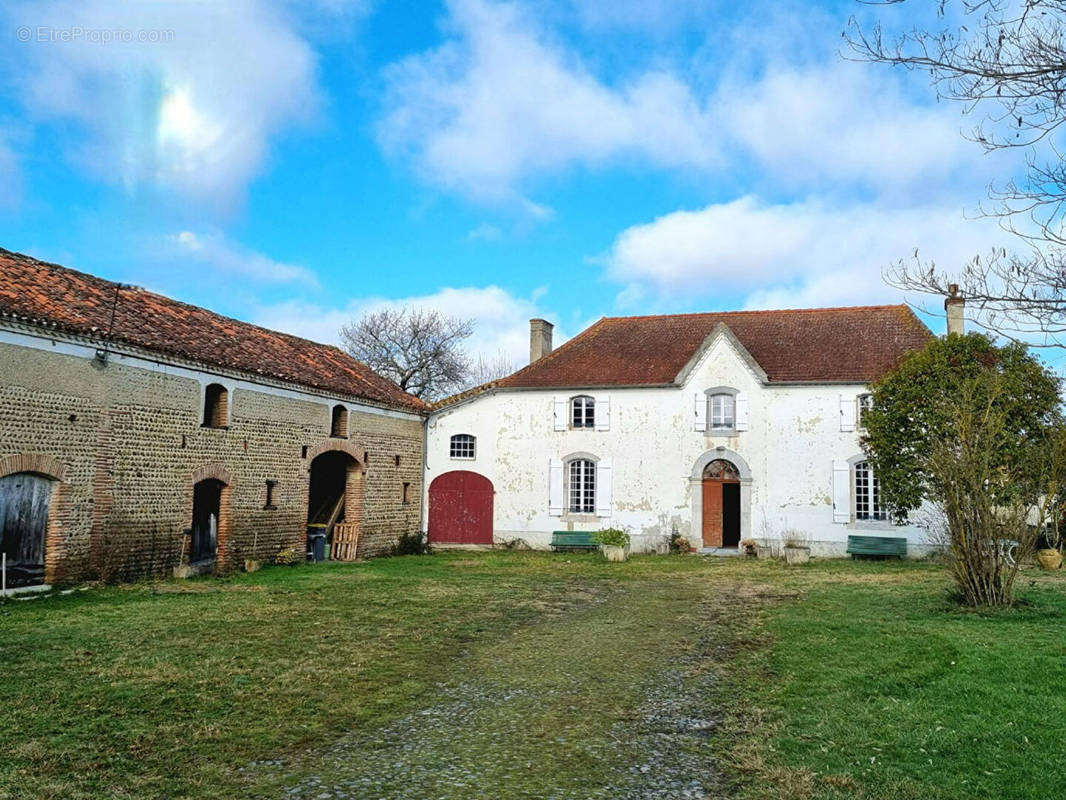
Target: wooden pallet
345, 542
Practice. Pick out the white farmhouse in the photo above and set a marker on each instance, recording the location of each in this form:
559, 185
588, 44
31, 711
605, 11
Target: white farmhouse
719, 427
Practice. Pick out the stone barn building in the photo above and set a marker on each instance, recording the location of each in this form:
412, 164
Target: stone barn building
140, 436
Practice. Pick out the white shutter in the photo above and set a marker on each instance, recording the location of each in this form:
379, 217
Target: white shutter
560, 409
701, 411
841, 491
604, 496
847, 413
555, 487
740, 409
603, 413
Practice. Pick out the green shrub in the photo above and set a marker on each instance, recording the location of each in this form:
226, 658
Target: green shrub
613, 537
411, 544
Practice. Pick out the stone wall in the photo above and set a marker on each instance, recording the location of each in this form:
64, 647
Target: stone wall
129, 440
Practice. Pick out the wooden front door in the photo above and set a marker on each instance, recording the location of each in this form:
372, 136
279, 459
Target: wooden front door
721, 505
24, 502
460, 508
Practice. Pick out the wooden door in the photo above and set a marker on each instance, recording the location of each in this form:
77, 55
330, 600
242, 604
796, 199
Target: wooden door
712, 513
460, 509
24, 502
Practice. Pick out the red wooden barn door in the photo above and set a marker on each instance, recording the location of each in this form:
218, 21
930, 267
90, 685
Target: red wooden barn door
460, 508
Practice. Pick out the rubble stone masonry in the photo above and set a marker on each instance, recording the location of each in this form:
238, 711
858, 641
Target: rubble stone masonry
123, 440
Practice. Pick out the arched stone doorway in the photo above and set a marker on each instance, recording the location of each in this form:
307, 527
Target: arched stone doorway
33, 511
335, 496
25, 500
721, 498
721, 504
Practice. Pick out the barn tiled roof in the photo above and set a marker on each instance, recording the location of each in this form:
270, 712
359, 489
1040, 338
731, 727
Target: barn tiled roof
803, 345
47, 294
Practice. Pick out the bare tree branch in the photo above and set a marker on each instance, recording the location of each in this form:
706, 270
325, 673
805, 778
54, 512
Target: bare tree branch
419, 349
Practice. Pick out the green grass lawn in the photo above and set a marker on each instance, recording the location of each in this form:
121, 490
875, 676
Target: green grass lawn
535, 675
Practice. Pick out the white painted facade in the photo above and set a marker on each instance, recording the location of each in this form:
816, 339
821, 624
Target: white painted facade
794, 451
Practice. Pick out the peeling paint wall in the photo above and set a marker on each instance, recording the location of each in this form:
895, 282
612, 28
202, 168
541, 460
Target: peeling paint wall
793, 438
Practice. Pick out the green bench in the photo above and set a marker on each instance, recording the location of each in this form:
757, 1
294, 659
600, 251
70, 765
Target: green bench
574, 540
877, 546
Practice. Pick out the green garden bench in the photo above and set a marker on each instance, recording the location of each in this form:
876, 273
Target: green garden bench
877, 546
574, 540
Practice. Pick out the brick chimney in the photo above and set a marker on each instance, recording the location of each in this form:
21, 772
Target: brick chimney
955, 306
540, 339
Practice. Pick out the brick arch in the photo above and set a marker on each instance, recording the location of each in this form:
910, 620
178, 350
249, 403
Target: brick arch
58, 510
216, 471
33, 462
334, 444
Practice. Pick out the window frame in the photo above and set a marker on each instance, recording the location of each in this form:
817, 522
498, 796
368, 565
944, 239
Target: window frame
588, 406
218, 393
732, 418
863, 403
468, 438
868, 494
586, 491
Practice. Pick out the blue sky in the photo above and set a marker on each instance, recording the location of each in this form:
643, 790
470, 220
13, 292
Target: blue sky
295, 163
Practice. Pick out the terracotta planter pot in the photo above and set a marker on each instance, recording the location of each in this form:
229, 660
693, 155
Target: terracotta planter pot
1049, 559
615, 553
797, 555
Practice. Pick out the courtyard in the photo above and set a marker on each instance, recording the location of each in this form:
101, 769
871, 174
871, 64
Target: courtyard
532, 675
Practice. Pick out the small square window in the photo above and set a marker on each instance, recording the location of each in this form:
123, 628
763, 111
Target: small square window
463, 445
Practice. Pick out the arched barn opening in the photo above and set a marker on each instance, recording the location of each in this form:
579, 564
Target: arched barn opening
206, 516
721, 504
460, 508
25, 498
335, 503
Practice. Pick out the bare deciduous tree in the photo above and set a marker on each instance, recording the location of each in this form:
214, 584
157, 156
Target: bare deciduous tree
1007, 57
419, 349
486, 370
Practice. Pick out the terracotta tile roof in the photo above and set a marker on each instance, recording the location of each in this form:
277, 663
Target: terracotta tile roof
47, 294
805, 345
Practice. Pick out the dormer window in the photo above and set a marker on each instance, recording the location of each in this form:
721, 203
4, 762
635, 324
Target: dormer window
216, 406
723, 412
338, 428
583, 412
463, 445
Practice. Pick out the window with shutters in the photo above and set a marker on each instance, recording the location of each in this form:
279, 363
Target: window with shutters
463, 445
866, 494
722, 412
863, 403
583, 412
581, 486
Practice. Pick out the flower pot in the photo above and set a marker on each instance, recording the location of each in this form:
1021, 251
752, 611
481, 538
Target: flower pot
797, 555
1049, 559
614, 553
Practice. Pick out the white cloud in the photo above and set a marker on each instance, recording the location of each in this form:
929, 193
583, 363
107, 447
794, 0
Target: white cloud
844, 124
806, 253
193, 113
500, 101
501, 319
215, 251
